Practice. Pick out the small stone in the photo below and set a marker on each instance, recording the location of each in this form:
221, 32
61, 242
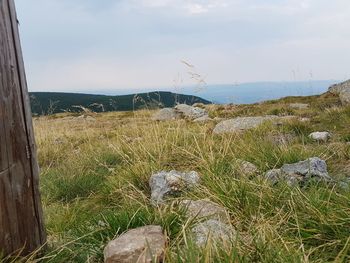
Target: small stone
166, 114
170, 183
141, 245
247, 168
205, 209
213, 231
299, 106
305, 119
274, 175
320, 136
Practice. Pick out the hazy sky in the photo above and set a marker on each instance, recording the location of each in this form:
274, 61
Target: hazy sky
82, 45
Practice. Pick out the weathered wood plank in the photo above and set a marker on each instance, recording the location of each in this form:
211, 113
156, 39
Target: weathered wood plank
20, 208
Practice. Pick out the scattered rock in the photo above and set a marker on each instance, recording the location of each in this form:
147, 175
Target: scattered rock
191, 112
166, 114
213, 231
170, 183
320, 136
300, 172
247, 168
204, 118
299, 106
241, 124
205, 209
143, 245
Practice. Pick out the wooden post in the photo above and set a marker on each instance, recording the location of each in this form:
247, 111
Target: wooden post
21, 217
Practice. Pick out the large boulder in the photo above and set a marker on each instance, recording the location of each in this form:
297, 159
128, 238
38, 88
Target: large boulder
191, 112
141, 245
343, 90
241, 124
170, 183
166, 114
340, 87
345, 97
300, 172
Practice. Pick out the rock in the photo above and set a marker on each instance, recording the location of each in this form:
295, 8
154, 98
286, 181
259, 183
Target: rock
141, 245
241, 124
299, 106
343, 90
300, 172
320, 136
204, 118
213, 231
247, 168
205, 209
166, 114
170, 183
190, 112
305, 119
338, 88
274, 175
345, 97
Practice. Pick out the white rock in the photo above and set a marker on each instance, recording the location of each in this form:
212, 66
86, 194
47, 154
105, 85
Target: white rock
320, 136
169, 183
141, 245
204, 118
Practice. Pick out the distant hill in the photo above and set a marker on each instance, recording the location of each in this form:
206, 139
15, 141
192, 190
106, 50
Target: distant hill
53, 102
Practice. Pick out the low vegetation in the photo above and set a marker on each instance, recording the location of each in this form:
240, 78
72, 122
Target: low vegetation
95, 172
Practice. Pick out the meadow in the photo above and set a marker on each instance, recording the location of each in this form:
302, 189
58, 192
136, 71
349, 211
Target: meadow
95, 172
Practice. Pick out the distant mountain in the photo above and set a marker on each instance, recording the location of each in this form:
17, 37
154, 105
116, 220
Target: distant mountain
52, 102
246, 93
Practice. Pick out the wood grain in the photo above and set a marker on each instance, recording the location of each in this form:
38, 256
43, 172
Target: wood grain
21, 217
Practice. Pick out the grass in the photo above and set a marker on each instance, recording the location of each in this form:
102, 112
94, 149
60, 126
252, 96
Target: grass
95, 174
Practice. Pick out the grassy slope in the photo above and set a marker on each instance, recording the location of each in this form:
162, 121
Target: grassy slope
50, 102
95, 183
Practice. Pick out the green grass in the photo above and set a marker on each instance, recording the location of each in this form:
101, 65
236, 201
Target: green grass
94, 184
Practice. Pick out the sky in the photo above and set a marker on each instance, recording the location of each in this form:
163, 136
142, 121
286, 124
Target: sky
98, 45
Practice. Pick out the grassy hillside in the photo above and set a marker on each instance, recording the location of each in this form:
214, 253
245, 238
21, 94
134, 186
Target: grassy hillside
95, 174
43, 103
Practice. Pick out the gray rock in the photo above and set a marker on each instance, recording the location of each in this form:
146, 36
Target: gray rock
300, 172
345, 97
142, 245
241, 124
312, 167
299, 106
190, 112
343, 90
166, 114
205, 209
170, 183
320, 136
204, 118
247, 168
215, 232
338, 88
281, 139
